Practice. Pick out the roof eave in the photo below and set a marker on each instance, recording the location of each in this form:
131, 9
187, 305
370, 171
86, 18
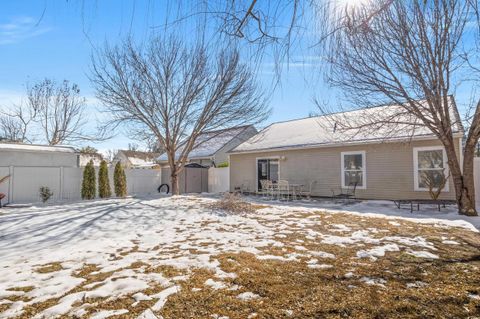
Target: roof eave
353, 143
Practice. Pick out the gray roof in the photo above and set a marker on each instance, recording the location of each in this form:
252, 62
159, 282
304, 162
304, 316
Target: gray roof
210, 143
392, 122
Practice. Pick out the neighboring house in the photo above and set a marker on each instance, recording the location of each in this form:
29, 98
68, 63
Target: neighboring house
213, 147
387, 162
136, 159
84, 158
37, 155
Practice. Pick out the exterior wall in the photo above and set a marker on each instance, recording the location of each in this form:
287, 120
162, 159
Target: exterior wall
221, 156
37, 158
66, 182
389, 169
190, 179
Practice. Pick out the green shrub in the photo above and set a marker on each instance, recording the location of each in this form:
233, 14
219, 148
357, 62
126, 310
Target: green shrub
88, 183
103, 182
120, 181
224, 164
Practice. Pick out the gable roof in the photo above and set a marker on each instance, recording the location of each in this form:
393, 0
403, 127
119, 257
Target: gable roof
211, 142
374, 124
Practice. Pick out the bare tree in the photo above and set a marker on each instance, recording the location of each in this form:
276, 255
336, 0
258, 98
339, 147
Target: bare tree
59, 109
11, 129
410, 54
175, 92
16, 123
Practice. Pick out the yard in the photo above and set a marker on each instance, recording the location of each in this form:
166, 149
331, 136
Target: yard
177, 257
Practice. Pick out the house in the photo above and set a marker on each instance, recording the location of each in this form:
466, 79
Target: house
136, 159
14, 154
85, 158
212, 147
387, 161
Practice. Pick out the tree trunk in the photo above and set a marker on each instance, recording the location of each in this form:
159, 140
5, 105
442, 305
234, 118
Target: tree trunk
174, 181
462, 181
466, 202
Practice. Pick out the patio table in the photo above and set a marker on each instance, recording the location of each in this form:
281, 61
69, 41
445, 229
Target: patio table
296, 189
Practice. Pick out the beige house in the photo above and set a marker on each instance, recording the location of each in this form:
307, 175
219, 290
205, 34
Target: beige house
386, 161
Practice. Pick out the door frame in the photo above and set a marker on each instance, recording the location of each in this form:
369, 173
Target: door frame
265, 158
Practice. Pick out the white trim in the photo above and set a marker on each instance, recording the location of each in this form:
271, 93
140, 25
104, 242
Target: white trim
364, 168
256, 168
353, 143
415, 166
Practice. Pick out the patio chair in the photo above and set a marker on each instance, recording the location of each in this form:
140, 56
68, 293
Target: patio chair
345, 193
307, 193
245, 187
283, 189
264, 184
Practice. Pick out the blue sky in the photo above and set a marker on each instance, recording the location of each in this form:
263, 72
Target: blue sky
55, 39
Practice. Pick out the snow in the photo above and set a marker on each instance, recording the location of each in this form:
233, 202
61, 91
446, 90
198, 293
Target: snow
247, 296
139, 162
209, 143
377, 251
331, 130
215, 284
162, 231
422, 254
35, 148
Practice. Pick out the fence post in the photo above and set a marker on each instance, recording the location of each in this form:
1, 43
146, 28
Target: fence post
61, 184
10, 184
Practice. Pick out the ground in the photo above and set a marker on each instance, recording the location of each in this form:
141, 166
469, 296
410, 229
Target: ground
178, 257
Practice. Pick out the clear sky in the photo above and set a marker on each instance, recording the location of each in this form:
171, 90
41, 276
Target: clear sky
55, 39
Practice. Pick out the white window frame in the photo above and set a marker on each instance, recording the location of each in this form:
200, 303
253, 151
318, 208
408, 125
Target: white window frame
364, 168
266, 158
416, 178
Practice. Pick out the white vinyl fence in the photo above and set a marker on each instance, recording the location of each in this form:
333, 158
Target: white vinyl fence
476, 172
218, 180
66, 182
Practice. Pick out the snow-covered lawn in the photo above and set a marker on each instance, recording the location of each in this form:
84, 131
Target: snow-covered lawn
177, 257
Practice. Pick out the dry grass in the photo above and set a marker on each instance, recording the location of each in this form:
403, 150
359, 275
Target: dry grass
51, 267
291, 289
234, 204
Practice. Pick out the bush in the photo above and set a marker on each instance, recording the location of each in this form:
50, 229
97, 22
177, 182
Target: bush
45, 193
233, 203
88, 183
103, 182
120, 181
224, 164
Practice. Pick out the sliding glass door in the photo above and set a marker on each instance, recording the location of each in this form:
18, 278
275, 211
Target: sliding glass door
267, 169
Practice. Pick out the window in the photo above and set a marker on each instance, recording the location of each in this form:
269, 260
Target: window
430, 168
353, 169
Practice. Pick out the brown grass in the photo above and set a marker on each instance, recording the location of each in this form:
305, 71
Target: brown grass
234, 204
293, 290
51, 267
